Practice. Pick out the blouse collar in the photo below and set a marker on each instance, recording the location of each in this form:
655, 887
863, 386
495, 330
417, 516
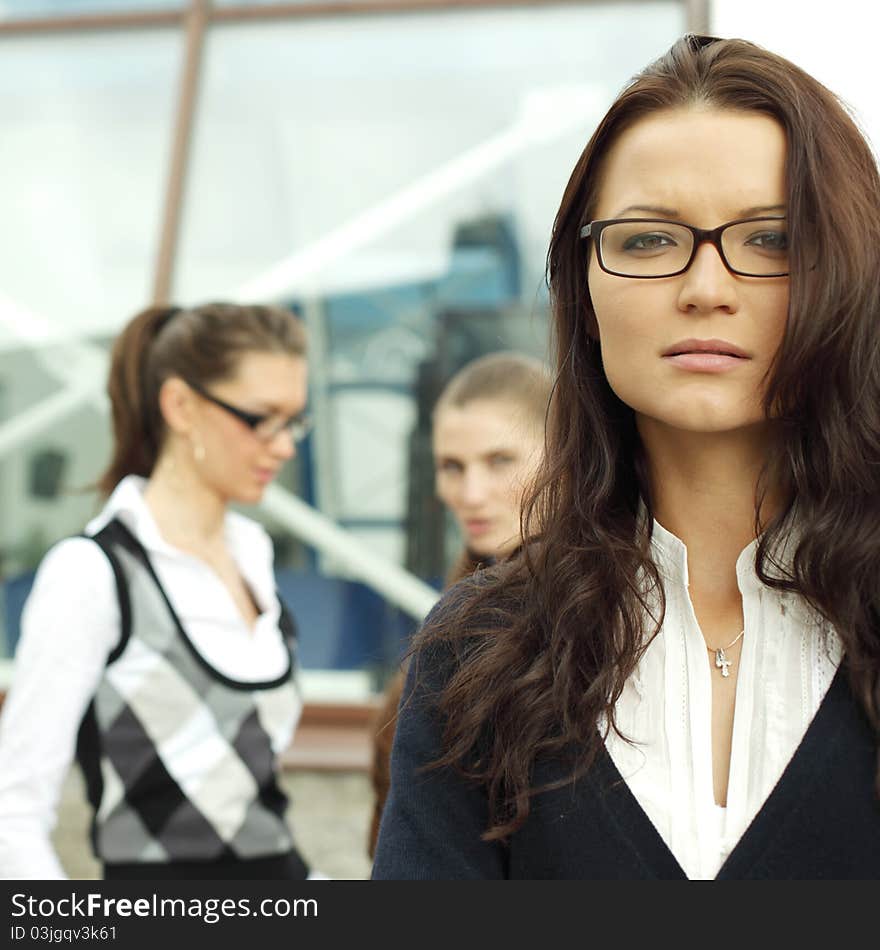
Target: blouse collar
127, 503
670, 556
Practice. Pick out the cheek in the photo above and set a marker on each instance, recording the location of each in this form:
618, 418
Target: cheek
512, 484
444, 487
233, 452
613, 311
618, 345
774, 315
629, 322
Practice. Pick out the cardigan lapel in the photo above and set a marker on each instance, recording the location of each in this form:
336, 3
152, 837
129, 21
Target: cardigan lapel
622, 809
805, 769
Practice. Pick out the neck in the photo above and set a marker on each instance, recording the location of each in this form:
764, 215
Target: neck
704, 490
188, 514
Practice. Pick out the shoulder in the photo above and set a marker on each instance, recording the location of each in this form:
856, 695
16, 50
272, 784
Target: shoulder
471, 613
74, 593
75, 575
75, 562
126, 502
484, 601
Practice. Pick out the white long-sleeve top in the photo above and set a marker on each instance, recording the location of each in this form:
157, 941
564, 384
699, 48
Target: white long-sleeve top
71, 623
787, 662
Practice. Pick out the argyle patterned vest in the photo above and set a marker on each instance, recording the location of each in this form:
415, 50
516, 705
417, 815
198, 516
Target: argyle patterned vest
179, 759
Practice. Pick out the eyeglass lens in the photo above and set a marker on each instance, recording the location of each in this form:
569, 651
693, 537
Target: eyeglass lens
269, 428
662, 248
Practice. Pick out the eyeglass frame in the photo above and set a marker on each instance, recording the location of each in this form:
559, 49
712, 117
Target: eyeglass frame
712, 236
254, 419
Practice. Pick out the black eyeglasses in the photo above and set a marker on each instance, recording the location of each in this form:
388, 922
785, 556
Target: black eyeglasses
648, 248
265, 426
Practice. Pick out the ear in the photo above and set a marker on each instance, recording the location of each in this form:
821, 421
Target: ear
177, 405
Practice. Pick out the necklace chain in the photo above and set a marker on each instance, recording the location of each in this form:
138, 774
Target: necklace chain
729, 645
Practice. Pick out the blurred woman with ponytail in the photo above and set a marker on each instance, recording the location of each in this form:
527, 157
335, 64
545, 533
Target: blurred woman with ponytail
154, 647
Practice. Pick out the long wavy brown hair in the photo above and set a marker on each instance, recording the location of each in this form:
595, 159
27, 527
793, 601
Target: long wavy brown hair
541, 646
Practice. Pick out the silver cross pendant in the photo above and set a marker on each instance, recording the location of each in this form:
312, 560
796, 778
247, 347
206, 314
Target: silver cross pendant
722, 662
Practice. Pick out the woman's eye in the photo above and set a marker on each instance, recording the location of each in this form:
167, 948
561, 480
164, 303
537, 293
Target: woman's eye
648, 242
500, 459
769, 240
448, 467
267, 425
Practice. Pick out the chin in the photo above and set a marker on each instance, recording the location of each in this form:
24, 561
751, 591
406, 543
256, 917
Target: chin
256, 494
717, 425
489, 547
706, 419
481, 547
246, 496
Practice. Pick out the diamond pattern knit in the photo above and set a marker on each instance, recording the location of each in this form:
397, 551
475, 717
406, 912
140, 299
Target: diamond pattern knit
178, 758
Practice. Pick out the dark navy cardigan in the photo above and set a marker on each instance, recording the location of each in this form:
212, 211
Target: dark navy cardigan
822, 819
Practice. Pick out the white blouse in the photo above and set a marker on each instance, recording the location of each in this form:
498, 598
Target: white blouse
787, 662
71, 623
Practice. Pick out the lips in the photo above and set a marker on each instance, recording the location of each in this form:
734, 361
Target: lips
477, 525
711, 347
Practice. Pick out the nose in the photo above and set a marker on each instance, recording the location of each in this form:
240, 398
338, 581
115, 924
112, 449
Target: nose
473, 487
707, 285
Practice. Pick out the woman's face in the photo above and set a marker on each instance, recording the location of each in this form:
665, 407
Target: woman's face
484, 453
236, 463
703, 167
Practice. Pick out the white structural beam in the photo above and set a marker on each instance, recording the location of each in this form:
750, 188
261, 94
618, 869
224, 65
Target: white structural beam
357, 559
545, 115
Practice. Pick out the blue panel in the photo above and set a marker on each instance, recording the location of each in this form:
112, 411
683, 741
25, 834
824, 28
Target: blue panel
343, 624
15, 593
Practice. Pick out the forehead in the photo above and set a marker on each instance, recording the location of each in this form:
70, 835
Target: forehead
270, 375
479, 426
706, 164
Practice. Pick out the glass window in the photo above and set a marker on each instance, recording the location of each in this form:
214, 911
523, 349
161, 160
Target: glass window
422, 119
395, 177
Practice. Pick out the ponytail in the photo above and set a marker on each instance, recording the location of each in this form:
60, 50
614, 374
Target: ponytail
134, 398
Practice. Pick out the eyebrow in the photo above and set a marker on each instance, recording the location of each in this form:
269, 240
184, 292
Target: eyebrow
651, 209
762, 209
269, 408
673, 213
484, 453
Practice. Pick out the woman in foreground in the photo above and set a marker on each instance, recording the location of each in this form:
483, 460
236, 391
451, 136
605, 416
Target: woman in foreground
679, 676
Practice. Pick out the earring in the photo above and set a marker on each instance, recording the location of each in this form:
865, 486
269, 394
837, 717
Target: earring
198, 452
